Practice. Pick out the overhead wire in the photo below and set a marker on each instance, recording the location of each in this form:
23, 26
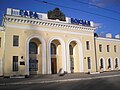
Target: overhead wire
53, 4
110, 10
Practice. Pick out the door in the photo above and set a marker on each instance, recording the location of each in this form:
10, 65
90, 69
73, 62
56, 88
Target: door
54, 66
72, 65
33, 66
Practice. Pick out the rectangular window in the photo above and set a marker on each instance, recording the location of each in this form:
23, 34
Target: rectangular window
89, 62
115, 49
15, 63
88, 45
15, 40
0, 42
100, 47
108, 48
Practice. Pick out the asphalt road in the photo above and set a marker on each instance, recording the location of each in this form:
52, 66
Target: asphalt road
94, 84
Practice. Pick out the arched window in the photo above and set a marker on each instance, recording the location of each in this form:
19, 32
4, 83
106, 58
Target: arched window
71, 49
101, 63
109, 63
116, 63
32, 48
53, 49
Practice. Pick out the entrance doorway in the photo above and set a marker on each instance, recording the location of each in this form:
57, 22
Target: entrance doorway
72, 65
34, 56
56, 59
54, 66
73, 53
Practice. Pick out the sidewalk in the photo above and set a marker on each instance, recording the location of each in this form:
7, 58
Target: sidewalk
56, 78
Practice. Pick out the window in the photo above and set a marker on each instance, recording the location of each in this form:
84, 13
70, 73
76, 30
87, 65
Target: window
88, 45
108, 48
71, 49
101, 63
15, 40
115, 50
32, 48
100, 47
15, 63
109, 63
89, 62
53, 49
116, 63
0, 42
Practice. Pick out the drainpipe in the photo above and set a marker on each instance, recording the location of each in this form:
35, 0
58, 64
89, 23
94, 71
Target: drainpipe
95, 53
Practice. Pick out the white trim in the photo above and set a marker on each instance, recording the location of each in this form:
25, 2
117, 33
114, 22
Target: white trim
104, 65
50, 23
63, 53
80, 52
107, 39
1, 67
43, 53
47, 29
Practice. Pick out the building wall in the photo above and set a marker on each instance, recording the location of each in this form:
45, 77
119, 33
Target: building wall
46, 34
106, 55
62, 34
1, 50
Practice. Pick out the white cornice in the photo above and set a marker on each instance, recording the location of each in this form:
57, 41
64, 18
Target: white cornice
108, 39
48, 23
47, 29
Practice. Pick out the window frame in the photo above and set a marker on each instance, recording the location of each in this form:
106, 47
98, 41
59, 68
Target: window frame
88, 45
71, 49
89, 62
53, 49
115, 48
15, 64
15, 43
109, 63
116, 63
101, 63
100, 47
35, 48
108, 48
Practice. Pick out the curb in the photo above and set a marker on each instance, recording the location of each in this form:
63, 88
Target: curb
53, 81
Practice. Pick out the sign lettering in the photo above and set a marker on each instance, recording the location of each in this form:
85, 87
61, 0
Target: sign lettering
80, 22
30, 14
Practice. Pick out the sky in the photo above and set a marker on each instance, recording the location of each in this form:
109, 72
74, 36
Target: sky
104, 13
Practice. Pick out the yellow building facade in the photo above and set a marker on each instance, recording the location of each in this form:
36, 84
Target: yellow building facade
108, 50
32, 43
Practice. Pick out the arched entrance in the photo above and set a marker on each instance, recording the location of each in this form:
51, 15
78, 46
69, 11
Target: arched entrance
39, 55
102, 64
74, 56
116, 63
35, 60
60, 56
56, 56
110, 67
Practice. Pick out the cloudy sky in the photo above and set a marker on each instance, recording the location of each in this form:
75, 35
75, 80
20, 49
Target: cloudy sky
104, 13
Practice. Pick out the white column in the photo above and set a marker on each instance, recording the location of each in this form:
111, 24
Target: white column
104, 65
68, 59
64, 57
49, 58
1, 67
27, 59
